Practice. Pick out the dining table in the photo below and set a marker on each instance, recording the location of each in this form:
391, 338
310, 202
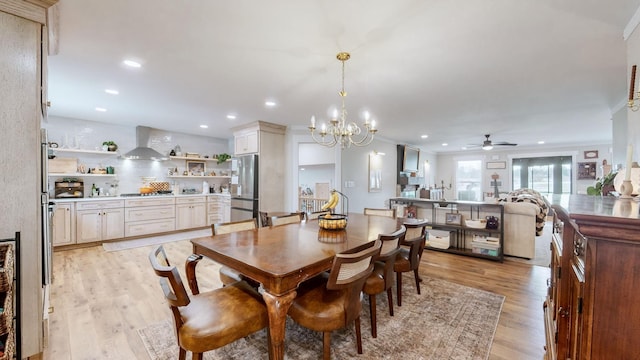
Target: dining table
282, 257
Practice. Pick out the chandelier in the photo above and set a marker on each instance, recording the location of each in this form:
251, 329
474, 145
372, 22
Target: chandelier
339, 131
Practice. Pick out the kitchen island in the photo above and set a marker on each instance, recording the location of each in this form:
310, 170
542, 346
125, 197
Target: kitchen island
94, 220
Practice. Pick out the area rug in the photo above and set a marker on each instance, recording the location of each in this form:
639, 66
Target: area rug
154, 240
447, 321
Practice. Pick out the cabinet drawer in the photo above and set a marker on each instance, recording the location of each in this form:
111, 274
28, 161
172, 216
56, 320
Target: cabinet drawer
93, 205
215, 207
139, 228
149, 213
191, 199
149, 202
215, 219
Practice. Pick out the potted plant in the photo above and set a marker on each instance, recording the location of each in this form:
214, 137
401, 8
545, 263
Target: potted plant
603, 185
223, 157
111, 146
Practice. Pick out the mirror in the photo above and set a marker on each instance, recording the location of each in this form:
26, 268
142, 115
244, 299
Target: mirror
411, 159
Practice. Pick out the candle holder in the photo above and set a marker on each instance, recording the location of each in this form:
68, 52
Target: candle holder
626, 189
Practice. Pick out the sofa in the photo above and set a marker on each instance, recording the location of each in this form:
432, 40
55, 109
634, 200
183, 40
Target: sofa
525, 214
520, 229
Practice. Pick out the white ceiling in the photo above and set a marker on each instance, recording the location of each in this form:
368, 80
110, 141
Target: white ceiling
520, 70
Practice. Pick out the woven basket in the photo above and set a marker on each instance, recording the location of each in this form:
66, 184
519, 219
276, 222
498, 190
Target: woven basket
9, 346
6, 316
6, 269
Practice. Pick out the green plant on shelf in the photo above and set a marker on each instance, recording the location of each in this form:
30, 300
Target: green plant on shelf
223, 157
111, 145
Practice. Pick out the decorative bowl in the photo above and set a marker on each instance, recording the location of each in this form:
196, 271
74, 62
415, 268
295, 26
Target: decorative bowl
332, 222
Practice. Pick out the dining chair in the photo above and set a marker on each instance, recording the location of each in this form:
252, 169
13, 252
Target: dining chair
380, 212
412, 247
381, 279
316, 214
286, 219
227, 274
209, 320
264, 219
333, 301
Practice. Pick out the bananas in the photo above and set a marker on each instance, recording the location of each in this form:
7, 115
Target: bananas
332, 202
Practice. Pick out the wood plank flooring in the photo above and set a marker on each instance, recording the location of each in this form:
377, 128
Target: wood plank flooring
101, 298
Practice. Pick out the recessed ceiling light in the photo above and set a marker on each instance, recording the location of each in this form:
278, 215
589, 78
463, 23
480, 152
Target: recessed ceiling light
204, 126
270, 103
231, 117
464, 148
445, 144
101, 109
133, 64
424, 136
111, 91
541, 142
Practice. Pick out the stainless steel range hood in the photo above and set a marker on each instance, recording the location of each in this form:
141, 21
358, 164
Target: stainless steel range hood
142, 150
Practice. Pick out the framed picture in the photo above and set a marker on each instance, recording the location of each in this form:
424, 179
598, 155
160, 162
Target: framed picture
586, 171
196, 168
453, 219
375, 172
591, 154
496, 164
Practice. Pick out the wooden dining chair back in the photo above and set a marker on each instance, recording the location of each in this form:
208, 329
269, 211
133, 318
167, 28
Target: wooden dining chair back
381, 279
229, 227
410, 255
264, 219
316, 214
380, 212
209, 320
330, 302
227, 274
286, 219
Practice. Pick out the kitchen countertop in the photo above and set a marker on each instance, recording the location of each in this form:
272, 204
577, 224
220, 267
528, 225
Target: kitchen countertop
101, 198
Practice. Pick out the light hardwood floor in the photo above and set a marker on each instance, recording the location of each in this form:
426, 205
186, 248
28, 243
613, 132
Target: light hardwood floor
101, 298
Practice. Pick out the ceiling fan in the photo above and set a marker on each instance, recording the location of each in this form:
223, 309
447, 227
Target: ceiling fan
488, 144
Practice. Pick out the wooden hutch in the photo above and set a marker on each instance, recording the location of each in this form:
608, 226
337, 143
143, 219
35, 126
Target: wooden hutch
592, 310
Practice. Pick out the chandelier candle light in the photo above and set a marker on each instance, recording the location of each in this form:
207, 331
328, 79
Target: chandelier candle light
339, 131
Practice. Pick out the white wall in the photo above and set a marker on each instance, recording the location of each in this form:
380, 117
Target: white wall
89, 135
632, 127
355, 169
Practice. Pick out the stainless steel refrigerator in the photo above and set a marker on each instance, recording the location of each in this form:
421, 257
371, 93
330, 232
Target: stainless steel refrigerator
244, 187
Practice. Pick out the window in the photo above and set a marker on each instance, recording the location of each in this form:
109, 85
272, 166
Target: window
469, 180
548, 175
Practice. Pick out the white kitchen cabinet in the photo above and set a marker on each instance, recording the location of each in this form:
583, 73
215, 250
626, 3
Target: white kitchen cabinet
218, 209
99, 220
63, 225
246, 142
270, 144
151, 215
191, 212
23, 42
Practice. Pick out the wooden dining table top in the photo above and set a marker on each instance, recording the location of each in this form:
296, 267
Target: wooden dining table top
283, 256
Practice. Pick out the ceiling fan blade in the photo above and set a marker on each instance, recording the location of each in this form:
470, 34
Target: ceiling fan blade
503, 143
